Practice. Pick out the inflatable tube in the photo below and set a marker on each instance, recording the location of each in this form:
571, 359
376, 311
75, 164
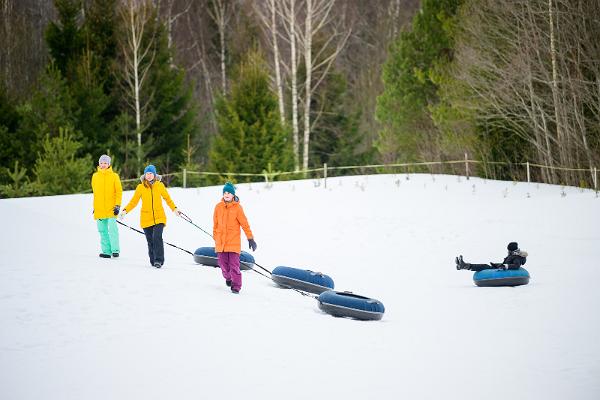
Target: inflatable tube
303, 279
348, 304
500, 277
208, 256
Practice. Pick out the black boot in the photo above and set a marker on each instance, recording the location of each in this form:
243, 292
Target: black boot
102, 255
157, 264
228, 282
115, 255
461, 264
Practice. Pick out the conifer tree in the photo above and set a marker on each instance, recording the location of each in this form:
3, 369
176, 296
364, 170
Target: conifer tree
58, 170
251, 138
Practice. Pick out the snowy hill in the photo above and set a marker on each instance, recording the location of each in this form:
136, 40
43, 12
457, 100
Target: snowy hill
75, 326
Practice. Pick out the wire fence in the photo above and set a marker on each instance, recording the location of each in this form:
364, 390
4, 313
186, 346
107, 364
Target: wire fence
525, 171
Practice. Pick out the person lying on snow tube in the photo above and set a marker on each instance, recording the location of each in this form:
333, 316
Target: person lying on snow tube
515, 259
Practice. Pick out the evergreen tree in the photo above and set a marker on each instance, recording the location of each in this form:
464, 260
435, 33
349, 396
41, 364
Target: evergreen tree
172, 108
50, 107
58, 170
251, 138
11, 147
64, 37
409, 87
336, 139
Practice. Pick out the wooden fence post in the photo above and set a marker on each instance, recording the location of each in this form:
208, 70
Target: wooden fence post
325, 175
467, 165
184, 178
528, 175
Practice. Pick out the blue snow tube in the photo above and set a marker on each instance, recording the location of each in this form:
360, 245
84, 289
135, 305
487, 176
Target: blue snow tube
208, 256
303, 279
500, 277
348, 304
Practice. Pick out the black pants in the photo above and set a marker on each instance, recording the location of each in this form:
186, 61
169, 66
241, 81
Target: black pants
481, 267
156, 249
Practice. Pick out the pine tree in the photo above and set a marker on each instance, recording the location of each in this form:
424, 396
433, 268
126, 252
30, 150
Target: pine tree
336, 139
251, 138
172, 108
11, 147
58, 170
50, 107
64, 37
409, 88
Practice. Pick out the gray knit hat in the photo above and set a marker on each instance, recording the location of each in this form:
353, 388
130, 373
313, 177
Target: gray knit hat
104, 158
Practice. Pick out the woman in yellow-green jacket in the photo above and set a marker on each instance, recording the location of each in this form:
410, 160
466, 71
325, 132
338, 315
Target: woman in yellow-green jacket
107, 189
152, 216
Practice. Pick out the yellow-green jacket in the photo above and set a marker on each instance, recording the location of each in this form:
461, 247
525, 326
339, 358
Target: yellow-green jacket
151, 194
108, 192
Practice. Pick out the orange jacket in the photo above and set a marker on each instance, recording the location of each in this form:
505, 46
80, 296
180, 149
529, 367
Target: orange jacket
107, 189
152, 212
227, 220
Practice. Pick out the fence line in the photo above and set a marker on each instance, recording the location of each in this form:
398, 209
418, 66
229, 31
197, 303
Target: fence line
270, 176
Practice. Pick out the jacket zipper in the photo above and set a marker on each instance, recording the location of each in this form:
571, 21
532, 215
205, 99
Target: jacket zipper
152, 197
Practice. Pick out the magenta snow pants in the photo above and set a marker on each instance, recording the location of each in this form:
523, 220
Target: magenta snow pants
230, 267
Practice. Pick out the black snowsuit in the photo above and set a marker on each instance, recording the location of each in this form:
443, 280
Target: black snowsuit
514, 260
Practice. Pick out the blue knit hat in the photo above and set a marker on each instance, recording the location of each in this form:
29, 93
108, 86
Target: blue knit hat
150, 168
229, 188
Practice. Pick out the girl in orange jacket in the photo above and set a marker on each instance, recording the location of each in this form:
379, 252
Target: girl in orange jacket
152, 217
228, 218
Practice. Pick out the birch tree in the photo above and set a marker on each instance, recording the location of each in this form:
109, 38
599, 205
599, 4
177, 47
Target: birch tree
137, 50
220, 13
318, 17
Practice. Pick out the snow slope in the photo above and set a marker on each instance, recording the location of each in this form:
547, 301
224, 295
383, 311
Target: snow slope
75, 326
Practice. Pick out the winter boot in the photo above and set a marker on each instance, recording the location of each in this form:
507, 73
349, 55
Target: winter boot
102, 255
461, 264
115, 255
157, 265
235, 291
228, 282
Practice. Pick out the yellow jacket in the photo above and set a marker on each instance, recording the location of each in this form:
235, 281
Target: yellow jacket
108, 192
151, 194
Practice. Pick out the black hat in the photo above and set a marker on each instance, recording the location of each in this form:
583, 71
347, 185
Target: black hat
512, 246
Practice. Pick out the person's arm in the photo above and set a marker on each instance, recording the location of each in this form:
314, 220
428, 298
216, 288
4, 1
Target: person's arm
118, 190
215, 223
167, 198
243, 221
134, 200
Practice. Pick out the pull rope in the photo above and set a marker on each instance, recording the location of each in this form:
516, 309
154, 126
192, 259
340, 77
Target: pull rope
170, 244
188, 219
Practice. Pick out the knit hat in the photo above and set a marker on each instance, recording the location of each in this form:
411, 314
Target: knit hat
104, 158
229, 188
512, 246
150, 168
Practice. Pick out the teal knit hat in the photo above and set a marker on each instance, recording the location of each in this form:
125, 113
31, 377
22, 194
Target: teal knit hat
229, 188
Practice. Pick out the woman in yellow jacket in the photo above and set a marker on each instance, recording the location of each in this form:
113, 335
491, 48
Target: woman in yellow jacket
152, 216
107, 189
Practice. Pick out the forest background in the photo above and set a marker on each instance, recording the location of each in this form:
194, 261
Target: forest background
271, 86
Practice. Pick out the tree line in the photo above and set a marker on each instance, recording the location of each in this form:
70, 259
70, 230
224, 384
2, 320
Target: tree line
287, 85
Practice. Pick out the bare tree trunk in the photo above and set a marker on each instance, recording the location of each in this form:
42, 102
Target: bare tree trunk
220, 15
560, 134
318, 17
294, 68
278, 82
138, 57
308, 83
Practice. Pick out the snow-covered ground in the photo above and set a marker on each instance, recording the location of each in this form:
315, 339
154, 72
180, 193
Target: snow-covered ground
74, 326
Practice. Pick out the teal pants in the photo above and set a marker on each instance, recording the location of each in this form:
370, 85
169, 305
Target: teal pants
109, 235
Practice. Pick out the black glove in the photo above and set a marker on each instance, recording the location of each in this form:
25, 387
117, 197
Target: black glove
252, 244
116, 209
